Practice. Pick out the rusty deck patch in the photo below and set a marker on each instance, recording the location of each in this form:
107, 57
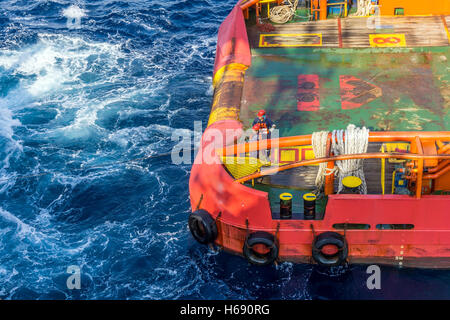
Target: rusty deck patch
356, 92
290, 40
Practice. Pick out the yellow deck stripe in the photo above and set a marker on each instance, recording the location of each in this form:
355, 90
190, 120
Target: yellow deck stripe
446, 28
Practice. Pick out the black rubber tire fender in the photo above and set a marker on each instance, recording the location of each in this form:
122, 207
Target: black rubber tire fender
330, 238
266, 239
202, 226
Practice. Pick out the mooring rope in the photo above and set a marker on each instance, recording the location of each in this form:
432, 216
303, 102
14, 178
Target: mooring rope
364, 8
319, 145
284, 13
356, 142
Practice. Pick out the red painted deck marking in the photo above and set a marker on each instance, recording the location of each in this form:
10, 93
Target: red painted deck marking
339, 32
356, 92
392, 40
308, 92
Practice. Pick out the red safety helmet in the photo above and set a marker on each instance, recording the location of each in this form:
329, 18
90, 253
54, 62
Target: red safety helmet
256, 127
261, 113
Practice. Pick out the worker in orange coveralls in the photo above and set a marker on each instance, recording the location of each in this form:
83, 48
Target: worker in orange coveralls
255, 136
265, 126
259, 134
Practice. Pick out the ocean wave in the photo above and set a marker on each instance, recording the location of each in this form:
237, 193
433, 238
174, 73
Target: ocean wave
89, 90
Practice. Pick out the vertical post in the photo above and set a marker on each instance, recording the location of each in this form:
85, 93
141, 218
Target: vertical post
314, 9
329, 179
323, 9
419, 168
246, 14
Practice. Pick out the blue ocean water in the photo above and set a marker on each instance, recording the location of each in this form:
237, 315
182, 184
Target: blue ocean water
86, 86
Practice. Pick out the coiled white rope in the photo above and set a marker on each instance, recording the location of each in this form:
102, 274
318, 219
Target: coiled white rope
283, 13
319, 145
356, 141
364, 8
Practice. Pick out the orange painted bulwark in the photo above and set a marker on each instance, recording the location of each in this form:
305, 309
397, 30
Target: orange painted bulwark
219, 192
415, 7
232, 41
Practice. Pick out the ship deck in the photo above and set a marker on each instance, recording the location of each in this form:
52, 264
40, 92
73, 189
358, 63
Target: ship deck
324, 75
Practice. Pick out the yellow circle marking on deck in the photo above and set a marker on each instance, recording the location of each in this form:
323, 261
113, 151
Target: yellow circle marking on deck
285, 196
351, 182
309, 197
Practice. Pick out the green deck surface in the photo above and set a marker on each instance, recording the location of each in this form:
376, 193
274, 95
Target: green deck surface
414, 84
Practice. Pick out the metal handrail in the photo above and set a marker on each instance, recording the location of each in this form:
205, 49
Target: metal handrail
415, 138
376, 136
375, 155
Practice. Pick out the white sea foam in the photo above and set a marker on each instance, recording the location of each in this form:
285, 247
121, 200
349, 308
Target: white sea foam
11, 146
8, 59
23, 229
74, 15
51, 70
7, 123
74, 12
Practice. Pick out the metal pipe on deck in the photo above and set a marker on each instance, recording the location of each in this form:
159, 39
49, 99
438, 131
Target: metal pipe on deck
375, 155
437, 174
248, 4
383, 136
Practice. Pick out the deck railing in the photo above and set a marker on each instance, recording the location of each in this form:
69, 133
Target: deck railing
418, 154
